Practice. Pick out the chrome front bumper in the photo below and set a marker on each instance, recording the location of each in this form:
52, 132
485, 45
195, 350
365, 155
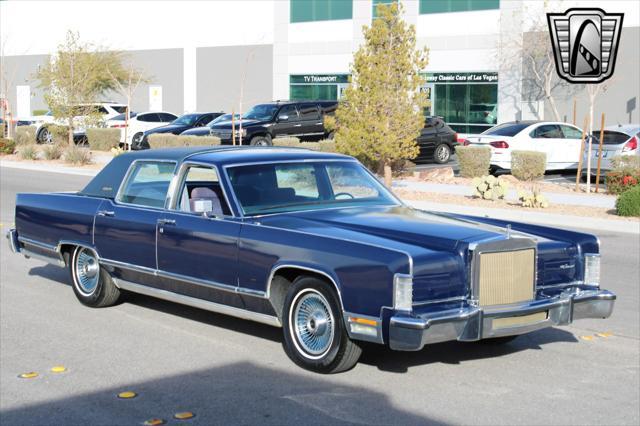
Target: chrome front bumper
411, 333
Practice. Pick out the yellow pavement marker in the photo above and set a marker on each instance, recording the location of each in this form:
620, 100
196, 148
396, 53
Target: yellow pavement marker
58, 369
29, 375
184, 415
154, 422
605, 334
586, 337
127, 395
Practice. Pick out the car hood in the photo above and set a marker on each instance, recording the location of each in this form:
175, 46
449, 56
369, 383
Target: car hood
197, 131
169, 128
398, 227
226, 125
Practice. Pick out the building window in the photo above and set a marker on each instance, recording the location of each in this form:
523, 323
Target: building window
468, 102
320, 10
317, 87
444, 6
375, 4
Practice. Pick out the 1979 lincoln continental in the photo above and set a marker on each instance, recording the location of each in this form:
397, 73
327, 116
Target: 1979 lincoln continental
310, 242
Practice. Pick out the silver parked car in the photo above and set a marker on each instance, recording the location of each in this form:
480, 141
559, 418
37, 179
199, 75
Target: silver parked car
618, 140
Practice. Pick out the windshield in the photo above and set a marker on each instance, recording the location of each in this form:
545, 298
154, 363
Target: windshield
186, 120
286, 187
261, 112
506, 129
224, 117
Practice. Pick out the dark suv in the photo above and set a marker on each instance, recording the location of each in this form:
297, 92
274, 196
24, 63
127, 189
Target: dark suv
264, 122
437, 141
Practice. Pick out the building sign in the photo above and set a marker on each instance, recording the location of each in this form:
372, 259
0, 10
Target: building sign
319, 79
23, 101
462, 77
155, 98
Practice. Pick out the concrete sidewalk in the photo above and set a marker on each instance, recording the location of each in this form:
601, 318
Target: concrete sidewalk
600, 200
528, 216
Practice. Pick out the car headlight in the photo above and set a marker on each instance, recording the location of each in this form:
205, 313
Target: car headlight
592, 269
244, 132
402, 292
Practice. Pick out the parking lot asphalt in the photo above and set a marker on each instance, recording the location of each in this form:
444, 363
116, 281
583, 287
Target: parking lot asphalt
230, 371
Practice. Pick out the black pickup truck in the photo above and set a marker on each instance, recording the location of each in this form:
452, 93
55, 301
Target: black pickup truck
264, 122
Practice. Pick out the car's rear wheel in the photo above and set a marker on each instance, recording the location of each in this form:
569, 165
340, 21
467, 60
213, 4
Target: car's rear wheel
315, 337
92, 285
260, 141
442, 153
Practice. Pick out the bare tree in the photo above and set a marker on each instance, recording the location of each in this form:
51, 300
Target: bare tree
539, 79
593, 90
6, 84
126, 81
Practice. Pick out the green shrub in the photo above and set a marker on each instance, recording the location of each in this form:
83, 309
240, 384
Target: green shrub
625, 174
25, 135
474, 161
528, 165
490, 188
52, 151
103, 139
533, 199
60, 133
288, 142
28, 151
628, 203
166, 140
77, 155
7, 146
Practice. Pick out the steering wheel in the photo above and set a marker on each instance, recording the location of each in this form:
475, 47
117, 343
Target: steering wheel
343, 193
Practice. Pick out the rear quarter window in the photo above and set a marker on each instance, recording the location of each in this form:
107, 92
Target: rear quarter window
147, 184
612, 137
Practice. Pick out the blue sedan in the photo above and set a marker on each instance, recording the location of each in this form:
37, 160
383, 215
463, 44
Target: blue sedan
310, 242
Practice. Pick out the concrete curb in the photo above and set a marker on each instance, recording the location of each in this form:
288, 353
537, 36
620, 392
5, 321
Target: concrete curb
49, 168
528, 216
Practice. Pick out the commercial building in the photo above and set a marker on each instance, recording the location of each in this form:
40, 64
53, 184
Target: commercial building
228, 55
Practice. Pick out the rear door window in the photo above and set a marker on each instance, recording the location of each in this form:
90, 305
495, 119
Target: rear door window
165, 117
546, 131
309, 112
288, 111
147, 184
571, 132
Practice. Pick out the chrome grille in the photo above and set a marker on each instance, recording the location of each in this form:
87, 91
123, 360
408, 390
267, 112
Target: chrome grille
504, 273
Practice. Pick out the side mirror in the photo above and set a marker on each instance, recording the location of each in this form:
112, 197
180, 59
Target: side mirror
209, 215
283, 118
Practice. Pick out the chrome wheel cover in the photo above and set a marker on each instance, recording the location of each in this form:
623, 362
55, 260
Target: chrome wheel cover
442, 153
87, 271
312, 324
262, 142
47, 137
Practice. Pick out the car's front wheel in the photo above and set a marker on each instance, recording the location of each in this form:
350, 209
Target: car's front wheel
92, 285
315, 337
442, 154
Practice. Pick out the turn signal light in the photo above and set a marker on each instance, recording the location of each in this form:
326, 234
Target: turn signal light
592, 269
403, 292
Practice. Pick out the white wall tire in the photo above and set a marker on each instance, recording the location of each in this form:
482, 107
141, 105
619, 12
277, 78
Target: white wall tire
314, 334
92, 285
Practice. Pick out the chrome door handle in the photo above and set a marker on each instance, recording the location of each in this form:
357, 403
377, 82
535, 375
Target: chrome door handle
106, 213
166, 222
297, 125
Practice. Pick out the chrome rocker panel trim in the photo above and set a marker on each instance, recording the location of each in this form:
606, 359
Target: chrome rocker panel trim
197, 303
411, 333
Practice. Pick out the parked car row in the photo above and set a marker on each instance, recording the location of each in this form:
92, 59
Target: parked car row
561, 142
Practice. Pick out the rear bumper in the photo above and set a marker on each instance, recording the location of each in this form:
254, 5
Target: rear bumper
411, 333
12, 239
